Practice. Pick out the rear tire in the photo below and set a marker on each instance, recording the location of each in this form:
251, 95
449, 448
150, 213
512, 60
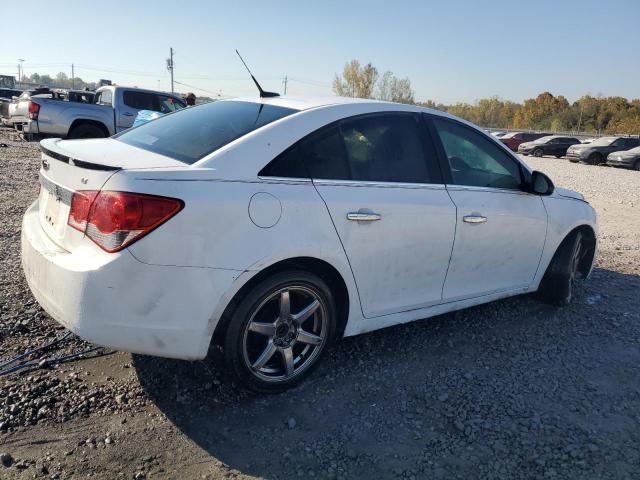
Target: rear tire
636, 166
558, 156
559, 280
86, 131
271, 344
537, 152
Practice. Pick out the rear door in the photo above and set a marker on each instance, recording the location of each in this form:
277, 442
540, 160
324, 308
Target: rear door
501, 229
132, 102
379, 179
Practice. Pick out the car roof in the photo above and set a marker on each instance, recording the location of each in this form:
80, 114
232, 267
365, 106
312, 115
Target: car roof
306, 103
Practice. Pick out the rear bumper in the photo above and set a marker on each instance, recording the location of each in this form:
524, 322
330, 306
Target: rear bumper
30, 127
117, 301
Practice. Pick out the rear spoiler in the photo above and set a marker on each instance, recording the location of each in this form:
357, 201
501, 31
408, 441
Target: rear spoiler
74, 161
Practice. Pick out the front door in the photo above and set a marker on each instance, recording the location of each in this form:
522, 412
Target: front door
501, 229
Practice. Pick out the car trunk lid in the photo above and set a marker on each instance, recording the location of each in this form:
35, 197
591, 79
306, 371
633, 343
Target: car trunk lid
68, 166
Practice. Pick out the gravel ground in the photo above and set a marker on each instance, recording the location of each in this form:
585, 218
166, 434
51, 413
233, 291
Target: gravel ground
513, 389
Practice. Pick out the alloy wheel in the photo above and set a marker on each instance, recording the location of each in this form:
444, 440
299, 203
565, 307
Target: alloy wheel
285, 334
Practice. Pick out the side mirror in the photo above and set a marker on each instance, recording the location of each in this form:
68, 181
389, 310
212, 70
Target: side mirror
541, 184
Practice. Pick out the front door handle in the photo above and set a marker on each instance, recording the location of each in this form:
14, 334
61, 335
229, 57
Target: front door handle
363, 216
128, 114
474, 218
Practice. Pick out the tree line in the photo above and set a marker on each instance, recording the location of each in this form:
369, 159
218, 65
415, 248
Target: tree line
61, 80
545, 112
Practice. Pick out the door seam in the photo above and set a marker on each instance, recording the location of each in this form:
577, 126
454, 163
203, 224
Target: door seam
453, 244
335, 229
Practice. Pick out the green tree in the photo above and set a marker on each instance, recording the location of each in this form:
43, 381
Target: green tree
356, 80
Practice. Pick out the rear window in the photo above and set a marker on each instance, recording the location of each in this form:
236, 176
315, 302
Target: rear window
192, 133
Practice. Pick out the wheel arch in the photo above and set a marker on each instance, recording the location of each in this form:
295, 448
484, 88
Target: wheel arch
322, 268
84, 121
590, 244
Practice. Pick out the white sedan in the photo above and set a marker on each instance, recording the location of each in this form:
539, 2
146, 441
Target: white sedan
273, 226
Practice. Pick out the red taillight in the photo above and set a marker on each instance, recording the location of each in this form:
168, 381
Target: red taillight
79, 212
34, 110
114, 220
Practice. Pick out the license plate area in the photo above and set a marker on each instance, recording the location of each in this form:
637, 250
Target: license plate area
54, 204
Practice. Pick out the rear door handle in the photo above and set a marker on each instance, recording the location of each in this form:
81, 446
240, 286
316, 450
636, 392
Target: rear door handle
474, 218
363, 216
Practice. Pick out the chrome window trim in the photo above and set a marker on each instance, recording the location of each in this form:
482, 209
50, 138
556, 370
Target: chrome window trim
362, 183
285, 180
471, 188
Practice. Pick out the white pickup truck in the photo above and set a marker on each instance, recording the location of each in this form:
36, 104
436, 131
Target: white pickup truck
114, 109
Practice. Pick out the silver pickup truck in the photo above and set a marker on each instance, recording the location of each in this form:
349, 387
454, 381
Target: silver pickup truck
114, 109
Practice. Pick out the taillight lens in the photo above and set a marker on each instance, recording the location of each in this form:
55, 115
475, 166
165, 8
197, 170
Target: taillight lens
114, 220
79, 212
34, 110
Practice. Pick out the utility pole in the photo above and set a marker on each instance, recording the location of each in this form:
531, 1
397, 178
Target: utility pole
580, 119
20, 69
170, 66
285, 84
73, 78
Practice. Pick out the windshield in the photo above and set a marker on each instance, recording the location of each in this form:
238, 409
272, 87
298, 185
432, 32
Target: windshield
634, 150
604, 141
544, 139
190, 134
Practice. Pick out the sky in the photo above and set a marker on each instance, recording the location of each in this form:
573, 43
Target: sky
451, 50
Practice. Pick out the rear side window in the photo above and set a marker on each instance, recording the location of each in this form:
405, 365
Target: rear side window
139, 100
192, 133
375, 148
475, 160
385, 148
104, 97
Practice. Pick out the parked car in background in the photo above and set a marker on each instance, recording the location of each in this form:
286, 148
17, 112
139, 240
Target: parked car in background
6, 97
18, 108
114, 109
596, 152
498, 134
556, 145
251, 224
625, 158
514, 139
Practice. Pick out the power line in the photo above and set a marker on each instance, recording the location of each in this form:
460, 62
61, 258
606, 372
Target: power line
217, 94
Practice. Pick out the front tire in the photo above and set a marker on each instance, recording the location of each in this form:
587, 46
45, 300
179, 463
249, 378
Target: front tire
280, 330
537, 152
595, 159
559, 280
636, 166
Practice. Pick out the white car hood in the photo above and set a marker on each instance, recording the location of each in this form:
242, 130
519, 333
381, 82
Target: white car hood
565, 192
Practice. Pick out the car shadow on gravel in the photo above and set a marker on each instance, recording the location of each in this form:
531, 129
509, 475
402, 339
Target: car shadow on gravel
505, 387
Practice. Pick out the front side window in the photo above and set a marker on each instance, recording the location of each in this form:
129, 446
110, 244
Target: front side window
169, 104
475, 160
192, 133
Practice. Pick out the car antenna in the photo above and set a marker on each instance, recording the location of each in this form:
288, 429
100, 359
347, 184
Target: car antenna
263, 94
